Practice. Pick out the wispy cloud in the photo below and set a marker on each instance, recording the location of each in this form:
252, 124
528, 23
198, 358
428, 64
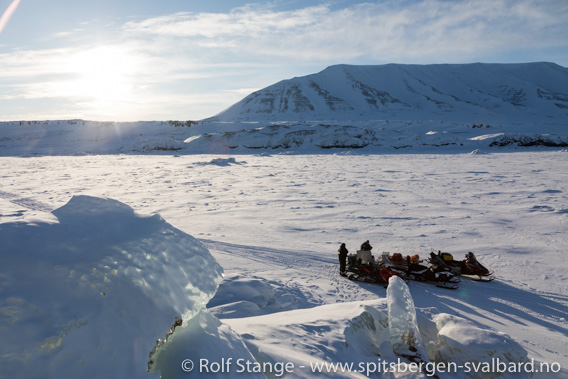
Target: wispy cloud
390, 30
241, 22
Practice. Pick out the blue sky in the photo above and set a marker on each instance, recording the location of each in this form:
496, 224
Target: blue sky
130, 60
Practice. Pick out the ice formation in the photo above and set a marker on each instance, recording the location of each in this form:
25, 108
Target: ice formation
89, 295
404, 333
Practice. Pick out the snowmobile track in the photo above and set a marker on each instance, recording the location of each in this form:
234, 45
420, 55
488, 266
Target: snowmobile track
313, 267
307, 260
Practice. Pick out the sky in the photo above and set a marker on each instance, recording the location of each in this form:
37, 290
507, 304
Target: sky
134, 60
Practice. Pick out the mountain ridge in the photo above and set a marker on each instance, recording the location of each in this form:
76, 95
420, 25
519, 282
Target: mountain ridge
457, 92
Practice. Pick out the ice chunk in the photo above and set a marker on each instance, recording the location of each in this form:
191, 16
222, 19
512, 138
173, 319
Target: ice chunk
404, 333
208, 348
368, 337
88, 296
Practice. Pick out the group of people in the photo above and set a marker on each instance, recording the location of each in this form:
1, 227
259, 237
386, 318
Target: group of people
343, 255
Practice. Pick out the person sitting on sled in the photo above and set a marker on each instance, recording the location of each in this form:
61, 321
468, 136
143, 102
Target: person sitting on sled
342, 258
366, 246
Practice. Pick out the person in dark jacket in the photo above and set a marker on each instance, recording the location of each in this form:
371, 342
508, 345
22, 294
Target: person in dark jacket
342, 258
366, 246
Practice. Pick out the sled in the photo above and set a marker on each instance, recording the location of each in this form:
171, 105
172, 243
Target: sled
409, 268
367, 270
451, 283
469, 267
481, 278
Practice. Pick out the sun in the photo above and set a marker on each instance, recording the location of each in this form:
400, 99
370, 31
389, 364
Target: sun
103, 75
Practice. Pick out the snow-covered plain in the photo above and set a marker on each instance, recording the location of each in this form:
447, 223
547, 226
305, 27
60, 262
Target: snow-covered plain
274, 223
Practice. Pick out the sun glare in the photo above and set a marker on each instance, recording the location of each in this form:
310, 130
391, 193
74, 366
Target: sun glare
103, 76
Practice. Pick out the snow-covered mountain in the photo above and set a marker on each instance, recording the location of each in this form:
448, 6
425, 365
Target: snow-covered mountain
371, 109
453, 92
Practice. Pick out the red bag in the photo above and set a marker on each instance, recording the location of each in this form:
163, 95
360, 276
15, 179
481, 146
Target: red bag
397, 258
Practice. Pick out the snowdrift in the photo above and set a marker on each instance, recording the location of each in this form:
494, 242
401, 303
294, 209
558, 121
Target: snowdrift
89, 295
373, 338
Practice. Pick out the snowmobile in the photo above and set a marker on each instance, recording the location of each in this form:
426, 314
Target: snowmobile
469, 267
362, 267
411, 269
